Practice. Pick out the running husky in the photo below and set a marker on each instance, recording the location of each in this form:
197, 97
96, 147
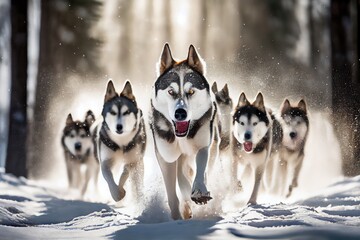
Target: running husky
289, 148
251, 141
182, 114
121, 140
224, 108
78, 146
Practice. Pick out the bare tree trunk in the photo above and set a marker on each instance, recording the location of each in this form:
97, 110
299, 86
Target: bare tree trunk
40, 140
345, 89
16, 150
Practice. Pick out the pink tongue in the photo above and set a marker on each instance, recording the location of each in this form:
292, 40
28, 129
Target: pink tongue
248, 146
182, 127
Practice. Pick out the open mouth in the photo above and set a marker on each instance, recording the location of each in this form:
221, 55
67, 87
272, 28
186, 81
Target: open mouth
181, 128
248, 146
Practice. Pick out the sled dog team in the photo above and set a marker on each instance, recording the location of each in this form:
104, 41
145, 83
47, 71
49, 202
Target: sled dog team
193, 127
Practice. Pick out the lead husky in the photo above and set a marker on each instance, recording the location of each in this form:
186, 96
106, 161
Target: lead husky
78, 146
121, 140
251, 141
293, 131
181, 120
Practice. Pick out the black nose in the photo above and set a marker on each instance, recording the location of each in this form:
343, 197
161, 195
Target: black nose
247, 135
119, 127
180, 114
77, 146
292, 134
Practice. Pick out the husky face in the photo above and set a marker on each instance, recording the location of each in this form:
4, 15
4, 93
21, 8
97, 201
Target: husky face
295, 124
77, 138
251, 122
120, 112
181, 92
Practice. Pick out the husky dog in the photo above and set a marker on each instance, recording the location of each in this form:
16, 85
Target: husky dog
289, 145
182, 114
251, 141
121, 141
78, 146
224, 108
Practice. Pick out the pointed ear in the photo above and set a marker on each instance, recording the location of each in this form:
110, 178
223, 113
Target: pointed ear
285, 106
110, 91
259, 102
302, 105
195, 61
166, 61
127, 91
242, 101
89, 118
69, 119
214, 88
225, 91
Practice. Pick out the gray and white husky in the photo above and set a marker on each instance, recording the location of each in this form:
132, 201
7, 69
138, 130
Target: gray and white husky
77, 142
121, 141
290, 134
224, 109
251, 143
182, 114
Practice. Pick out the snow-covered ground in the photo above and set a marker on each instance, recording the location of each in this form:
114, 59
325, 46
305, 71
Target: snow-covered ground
28, 210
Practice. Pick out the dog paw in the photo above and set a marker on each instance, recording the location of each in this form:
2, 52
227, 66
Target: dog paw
252, 202
187, 213
200, 198
118, 194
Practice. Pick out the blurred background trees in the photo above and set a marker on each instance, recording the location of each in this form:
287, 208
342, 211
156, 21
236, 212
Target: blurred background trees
281, 47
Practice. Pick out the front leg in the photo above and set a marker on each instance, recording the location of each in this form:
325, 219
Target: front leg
200, 194
168, 171
116, 194
294, 181
258, 175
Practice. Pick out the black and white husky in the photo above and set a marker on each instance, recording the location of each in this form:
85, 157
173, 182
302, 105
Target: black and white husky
77, 142
182, 113
290, 134
121, 141
251, 142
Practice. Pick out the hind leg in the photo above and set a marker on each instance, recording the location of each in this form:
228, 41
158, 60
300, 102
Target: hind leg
183, 172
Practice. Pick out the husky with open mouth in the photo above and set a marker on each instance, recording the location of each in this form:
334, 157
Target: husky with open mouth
251, 142
182, 114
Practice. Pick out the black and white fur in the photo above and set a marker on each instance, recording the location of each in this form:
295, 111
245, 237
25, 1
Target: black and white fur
181, 119
251, 143
77, 142
289, 134
121, 141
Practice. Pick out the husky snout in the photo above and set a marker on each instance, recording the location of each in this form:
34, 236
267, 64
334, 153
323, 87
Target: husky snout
293, 135
77, 146
180, 115
247, 135
119, 128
